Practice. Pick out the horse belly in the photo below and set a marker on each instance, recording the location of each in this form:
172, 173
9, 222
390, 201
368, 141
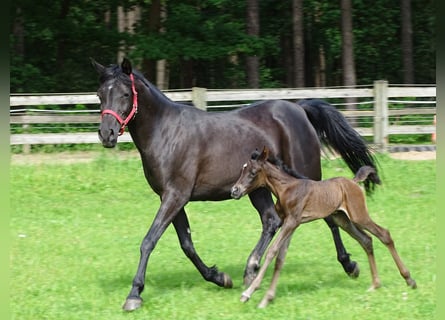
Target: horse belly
320, 205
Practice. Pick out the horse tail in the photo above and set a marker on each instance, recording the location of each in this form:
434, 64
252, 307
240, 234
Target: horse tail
363, 173
334, 131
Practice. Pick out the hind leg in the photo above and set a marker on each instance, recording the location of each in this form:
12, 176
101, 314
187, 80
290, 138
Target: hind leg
281, 240
385, 237
351, 267
211, 274
363, 239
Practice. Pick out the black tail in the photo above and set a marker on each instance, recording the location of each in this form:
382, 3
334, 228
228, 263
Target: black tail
335, 131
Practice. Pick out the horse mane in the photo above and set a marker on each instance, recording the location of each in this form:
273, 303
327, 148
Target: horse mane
280, 164
114, 71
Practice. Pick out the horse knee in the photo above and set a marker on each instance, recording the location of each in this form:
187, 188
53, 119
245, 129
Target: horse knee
272, 223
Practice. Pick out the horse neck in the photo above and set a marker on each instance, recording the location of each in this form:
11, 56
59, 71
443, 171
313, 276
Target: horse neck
153, 107
276, 179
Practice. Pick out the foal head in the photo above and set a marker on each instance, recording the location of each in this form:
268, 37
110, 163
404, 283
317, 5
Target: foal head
118, 100
252, 175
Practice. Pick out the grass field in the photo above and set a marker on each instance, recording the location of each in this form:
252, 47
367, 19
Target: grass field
76, 229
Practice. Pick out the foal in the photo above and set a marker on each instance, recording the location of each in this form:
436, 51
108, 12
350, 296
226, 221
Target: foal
301, 200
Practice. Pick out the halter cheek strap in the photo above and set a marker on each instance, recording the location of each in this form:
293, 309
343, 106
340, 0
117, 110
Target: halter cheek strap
132, 113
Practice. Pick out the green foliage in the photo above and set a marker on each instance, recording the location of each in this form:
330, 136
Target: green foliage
75, 231
200, 39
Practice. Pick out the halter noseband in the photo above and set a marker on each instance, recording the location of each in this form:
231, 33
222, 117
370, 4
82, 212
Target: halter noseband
133, 111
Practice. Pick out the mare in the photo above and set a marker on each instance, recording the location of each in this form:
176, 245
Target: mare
301, 200
192, 155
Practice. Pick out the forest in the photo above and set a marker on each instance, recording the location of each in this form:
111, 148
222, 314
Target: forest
221, 43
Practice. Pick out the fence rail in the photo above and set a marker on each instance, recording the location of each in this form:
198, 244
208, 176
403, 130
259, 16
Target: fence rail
382, 120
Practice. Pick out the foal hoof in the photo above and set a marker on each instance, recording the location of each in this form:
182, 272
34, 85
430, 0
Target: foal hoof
132, 304
355, 271
412, 283
244, 297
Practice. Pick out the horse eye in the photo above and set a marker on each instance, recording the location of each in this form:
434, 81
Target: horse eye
126, 95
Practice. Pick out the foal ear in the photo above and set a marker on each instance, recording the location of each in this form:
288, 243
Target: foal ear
264, 154
99, 68
126, 66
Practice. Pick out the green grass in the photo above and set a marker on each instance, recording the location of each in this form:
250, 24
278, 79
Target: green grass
76, 229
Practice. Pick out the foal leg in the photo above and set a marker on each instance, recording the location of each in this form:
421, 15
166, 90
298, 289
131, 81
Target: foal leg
385, 237
263, 203
182, 228
351, 267
282, 240
279, 262
363, 239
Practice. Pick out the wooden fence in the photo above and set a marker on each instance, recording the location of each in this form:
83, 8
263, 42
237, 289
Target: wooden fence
419, 100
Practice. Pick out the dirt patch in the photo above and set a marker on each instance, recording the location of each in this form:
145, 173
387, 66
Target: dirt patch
68, 157
414, 155
87, 156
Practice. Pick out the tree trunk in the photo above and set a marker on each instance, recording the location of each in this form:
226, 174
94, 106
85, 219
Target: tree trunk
19, 34
407, 42
162, 65
62, 36
348, 52
126, 21
253, 30
298, 43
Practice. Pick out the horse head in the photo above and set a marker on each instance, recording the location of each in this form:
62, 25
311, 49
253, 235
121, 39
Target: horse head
250, 178
118, 100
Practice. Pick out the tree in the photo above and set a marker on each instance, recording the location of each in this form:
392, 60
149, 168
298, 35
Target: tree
347, 45
253, 30
407, 42
298, 43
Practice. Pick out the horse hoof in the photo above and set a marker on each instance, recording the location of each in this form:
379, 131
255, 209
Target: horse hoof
412, 283
244, 298
227, 281
248, 279
355, 272
132, 304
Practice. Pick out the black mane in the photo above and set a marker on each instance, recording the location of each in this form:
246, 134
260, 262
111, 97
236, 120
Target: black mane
115, 72
280, 164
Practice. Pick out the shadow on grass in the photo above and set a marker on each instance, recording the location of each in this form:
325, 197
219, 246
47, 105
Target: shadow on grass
295, 277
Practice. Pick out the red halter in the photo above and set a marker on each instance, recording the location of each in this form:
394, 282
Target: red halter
133, 111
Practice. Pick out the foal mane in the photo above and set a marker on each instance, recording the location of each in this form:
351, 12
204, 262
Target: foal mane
280, 164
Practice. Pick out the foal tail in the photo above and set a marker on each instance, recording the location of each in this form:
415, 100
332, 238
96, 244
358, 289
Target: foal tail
363, 173
334, 130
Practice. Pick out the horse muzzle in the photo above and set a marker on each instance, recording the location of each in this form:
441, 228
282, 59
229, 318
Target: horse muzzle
108, 137
236, 193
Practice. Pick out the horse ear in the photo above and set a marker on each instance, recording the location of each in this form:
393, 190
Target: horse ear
99, 68
264, 154
126, 66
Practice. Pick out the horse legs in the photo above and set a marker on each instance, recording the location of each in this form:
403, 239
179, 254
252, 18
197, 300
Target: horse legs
351, 267
263, 203
170, 206
182, 228
363, 239
282, 240
279, 262
385, 237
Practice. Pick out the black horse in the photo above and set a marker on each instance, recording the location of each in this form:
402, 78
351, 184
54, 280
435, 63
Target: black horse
191, 155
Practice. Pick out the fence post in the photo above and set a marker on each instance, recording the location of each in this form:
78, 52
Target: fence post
381, 114
199, 97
